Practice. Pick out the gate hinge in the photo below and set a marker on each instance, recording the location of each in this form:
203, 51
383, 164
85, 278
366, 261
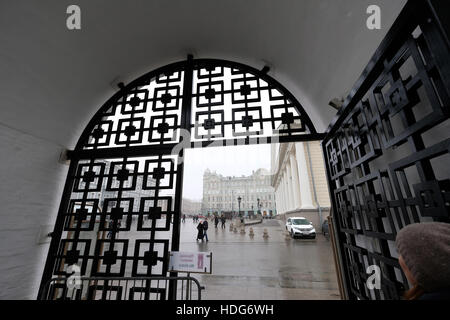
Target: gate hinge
65, 156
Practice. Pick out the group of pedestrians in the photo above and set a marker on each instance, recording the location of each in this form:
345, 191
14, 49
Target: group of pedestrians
202, 227
222, 220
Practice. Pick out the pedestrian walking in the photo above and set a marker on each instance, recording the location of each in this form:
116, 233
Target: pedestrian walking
424, 256
110, 227
216, 221
223, 220
205, 229
200, 233
184, 218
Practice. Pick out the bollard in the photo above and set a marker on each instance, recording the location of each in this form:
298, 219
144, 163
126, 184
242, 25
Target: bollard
235, 230
231, 226
242, 230
251, 234
265, 234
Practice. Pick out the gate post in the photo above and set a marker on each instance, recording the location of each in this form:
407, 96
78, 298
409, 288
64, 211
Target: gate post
337, 260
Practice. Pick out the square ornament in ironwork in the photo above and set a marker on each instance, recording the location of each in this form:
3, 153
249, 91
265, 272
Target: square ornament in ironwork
161, 170
397, 97
245, 90
371, 202
146, 254
101, 135
89, 177
109, 252
431, 198
210, 94
121, 176
153, 208
286, 119
333, 158
163, 128
79, 212
77, 254
209, 124
129, 131
166, 98
115, 209
337, 155
135, 102
250, 118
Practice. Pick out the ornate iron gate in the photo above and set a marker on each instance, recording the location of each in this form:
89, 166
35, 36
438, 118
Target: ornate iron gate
387, 151
120, 211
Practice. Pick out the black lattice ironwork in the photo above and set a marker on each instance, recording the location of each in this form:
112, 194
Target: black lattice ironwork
387, 152
120, 210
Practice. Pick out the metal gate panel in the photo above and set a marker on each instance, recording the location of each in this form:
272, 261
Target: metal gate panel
387, 151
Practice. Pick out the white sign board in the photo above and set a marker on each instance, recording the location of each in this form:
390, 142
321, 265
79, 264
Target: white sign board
192, 262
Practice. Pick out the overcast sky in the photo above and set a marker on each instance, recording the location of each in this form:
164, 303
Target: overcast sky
228, 161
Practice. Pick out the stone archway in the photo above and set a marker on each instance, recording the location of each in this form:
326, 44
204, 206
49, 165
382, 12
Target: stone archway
126, 172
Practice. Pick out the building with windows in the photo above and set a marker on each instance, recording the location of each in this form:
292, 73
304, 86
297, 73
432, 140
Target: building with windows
220, 193
299, 180
191, 207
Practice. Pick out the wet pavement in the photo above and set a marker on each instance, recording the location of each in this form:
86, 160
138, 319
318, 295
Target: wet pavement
255, 268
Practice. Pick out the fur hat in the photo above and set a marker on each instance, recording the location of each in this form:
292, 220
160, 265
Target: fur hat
425, 248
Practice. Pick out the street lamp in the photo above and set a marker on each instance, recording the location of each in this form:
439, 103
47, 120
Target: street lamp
239, 204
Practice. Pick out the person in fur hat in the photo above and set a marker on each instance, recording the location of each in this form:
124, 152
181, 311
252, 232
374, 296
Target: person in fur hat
424, 256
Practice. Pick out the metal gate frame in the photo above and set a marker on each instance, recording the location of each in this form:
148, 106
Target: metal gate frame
370, 201
295, 125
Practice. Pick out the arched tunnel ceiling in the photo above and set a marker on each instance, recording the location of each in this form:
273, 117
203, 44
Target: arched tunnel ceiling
53, 80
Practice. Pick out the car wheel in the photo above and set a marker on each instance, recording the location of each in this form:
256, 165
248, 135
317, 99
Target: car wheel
292, 234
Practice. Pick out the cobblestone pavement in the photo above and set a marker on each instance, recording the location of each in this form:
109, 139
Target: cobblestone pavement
275, 268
